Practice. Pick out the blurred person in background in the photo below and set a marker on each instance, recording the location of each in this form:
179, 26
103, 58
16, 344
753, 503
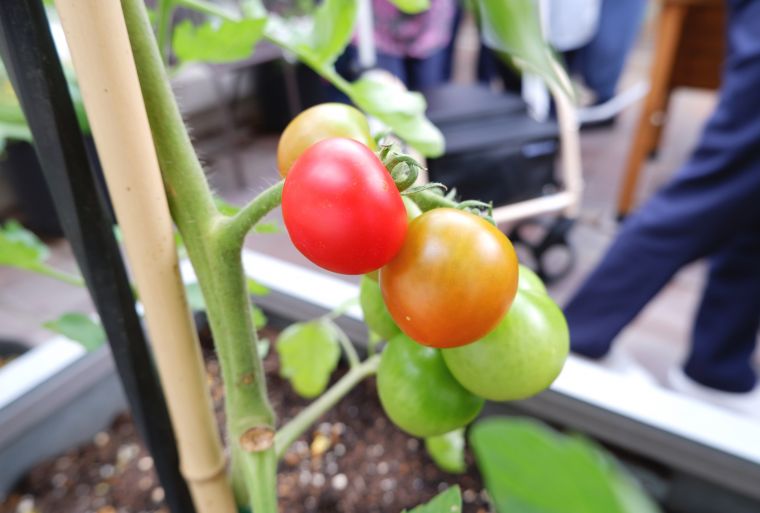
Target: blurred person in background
413, 47
711, 208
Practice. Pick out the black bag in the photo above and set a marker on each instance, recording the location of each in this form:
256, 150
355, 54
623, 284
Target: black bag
494, 150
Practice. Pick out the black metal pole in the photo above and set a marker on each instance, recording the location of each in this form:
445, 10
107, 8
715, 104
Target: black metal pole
32, 63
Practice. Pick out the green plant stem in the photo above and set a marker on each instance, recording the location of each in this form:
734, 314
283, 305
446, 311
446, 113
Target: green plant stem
164, 10
218, 266
290, 432
348, 348
50, 272
428, 200
236, 228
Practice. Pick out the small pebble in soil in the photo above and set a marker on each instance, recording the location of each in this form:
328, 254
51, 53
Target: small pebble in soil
331, 468
339, 450
412, 444
58, 480
469, 495
101, 439
102, 488
382, 468
375, 451
318, 480
387, 484
304, 478
107, 509
320, 445
145, 483
107, 471
339, 482
145, 463
157, 495
26, 505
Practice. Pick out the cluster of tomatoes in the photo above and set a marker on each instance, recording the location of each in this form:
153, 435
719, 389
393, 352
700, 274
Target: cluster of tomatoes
464, 321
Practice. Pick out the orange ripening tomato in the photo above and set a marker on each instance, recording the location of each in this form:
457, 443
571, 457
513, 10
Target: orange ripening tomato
453, 280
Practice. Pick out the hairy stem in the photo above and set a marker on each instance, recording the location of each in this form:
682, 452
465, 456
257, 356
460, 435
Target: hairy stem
217, 263
236, 228
297, 426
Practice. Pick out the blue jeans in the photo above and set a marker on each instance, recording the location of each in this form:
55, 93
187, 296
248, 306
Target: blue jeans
711, 208
600, 63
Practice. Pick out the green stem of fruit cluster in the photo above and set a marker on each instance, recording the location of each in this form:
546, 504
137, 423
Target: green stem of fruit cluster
216, 258
291, 431
237, 227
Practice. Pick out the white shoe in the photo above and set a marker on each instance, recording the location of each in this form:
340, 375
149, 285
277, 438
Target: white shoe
746, 404
622, 363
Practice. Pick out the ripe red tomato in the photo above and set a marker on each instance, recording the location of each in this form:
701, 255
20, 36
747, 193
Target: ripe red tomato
452, 281
342, 209
317, 123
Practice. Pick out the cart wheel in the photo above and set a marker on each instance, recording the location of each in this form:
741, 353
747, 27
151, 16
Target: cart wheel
543, 245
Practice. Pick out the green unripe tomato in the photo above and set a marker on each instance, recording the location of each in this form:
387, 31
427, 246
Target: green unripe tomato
529, 280
520, 357
418, 392
376, 315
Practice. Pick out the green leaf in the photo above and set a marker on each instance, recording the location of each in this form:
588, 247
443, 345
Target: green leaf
447, 451
448, 501
257, 317
255, 288
521, 459
263, 347
195, 297
267, 228
411, 6
225, 207
512, 28
217, 41
21, 248
333, 25
79, 328
401, 110
309, 353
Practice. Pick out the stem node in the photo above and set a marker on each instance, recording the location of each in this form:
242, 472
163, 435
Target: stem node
257, 439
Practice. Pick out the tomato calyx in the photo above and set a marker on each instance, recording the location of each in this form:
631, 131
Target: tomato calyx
405, 170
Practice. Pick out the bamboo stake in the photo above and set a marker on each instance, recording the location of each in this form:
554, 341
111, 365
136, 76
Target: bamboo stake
102, 56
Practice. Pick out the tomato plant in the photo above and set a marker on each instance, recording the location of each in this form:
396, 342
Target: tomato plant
419, 393
519, 358
342, 209
322, 121
453, 279
376, 315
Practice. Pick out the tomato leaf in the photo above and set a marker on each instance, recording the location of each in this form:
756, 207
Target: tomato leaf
401, 110
217, 40
267, 228
512, 28
255, 288
309, 352
333, 25
521, 459
448, 501
21, 248
79, 328
257, 317
447, 451
411, 6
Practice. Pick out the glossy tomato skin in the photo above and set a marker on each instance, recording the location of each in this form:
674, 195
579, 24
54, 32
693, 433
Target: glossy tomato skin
342, 209
520, 357
418, 392
317, 123
452, 281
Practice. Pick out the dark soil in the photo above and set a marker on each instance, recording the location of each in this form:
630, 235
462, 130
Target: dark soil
352, 461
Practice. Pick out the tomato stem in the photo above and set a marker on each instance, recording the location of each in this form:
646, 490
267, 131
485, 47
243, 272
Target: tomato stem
298, 425
216, 258
236, 228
